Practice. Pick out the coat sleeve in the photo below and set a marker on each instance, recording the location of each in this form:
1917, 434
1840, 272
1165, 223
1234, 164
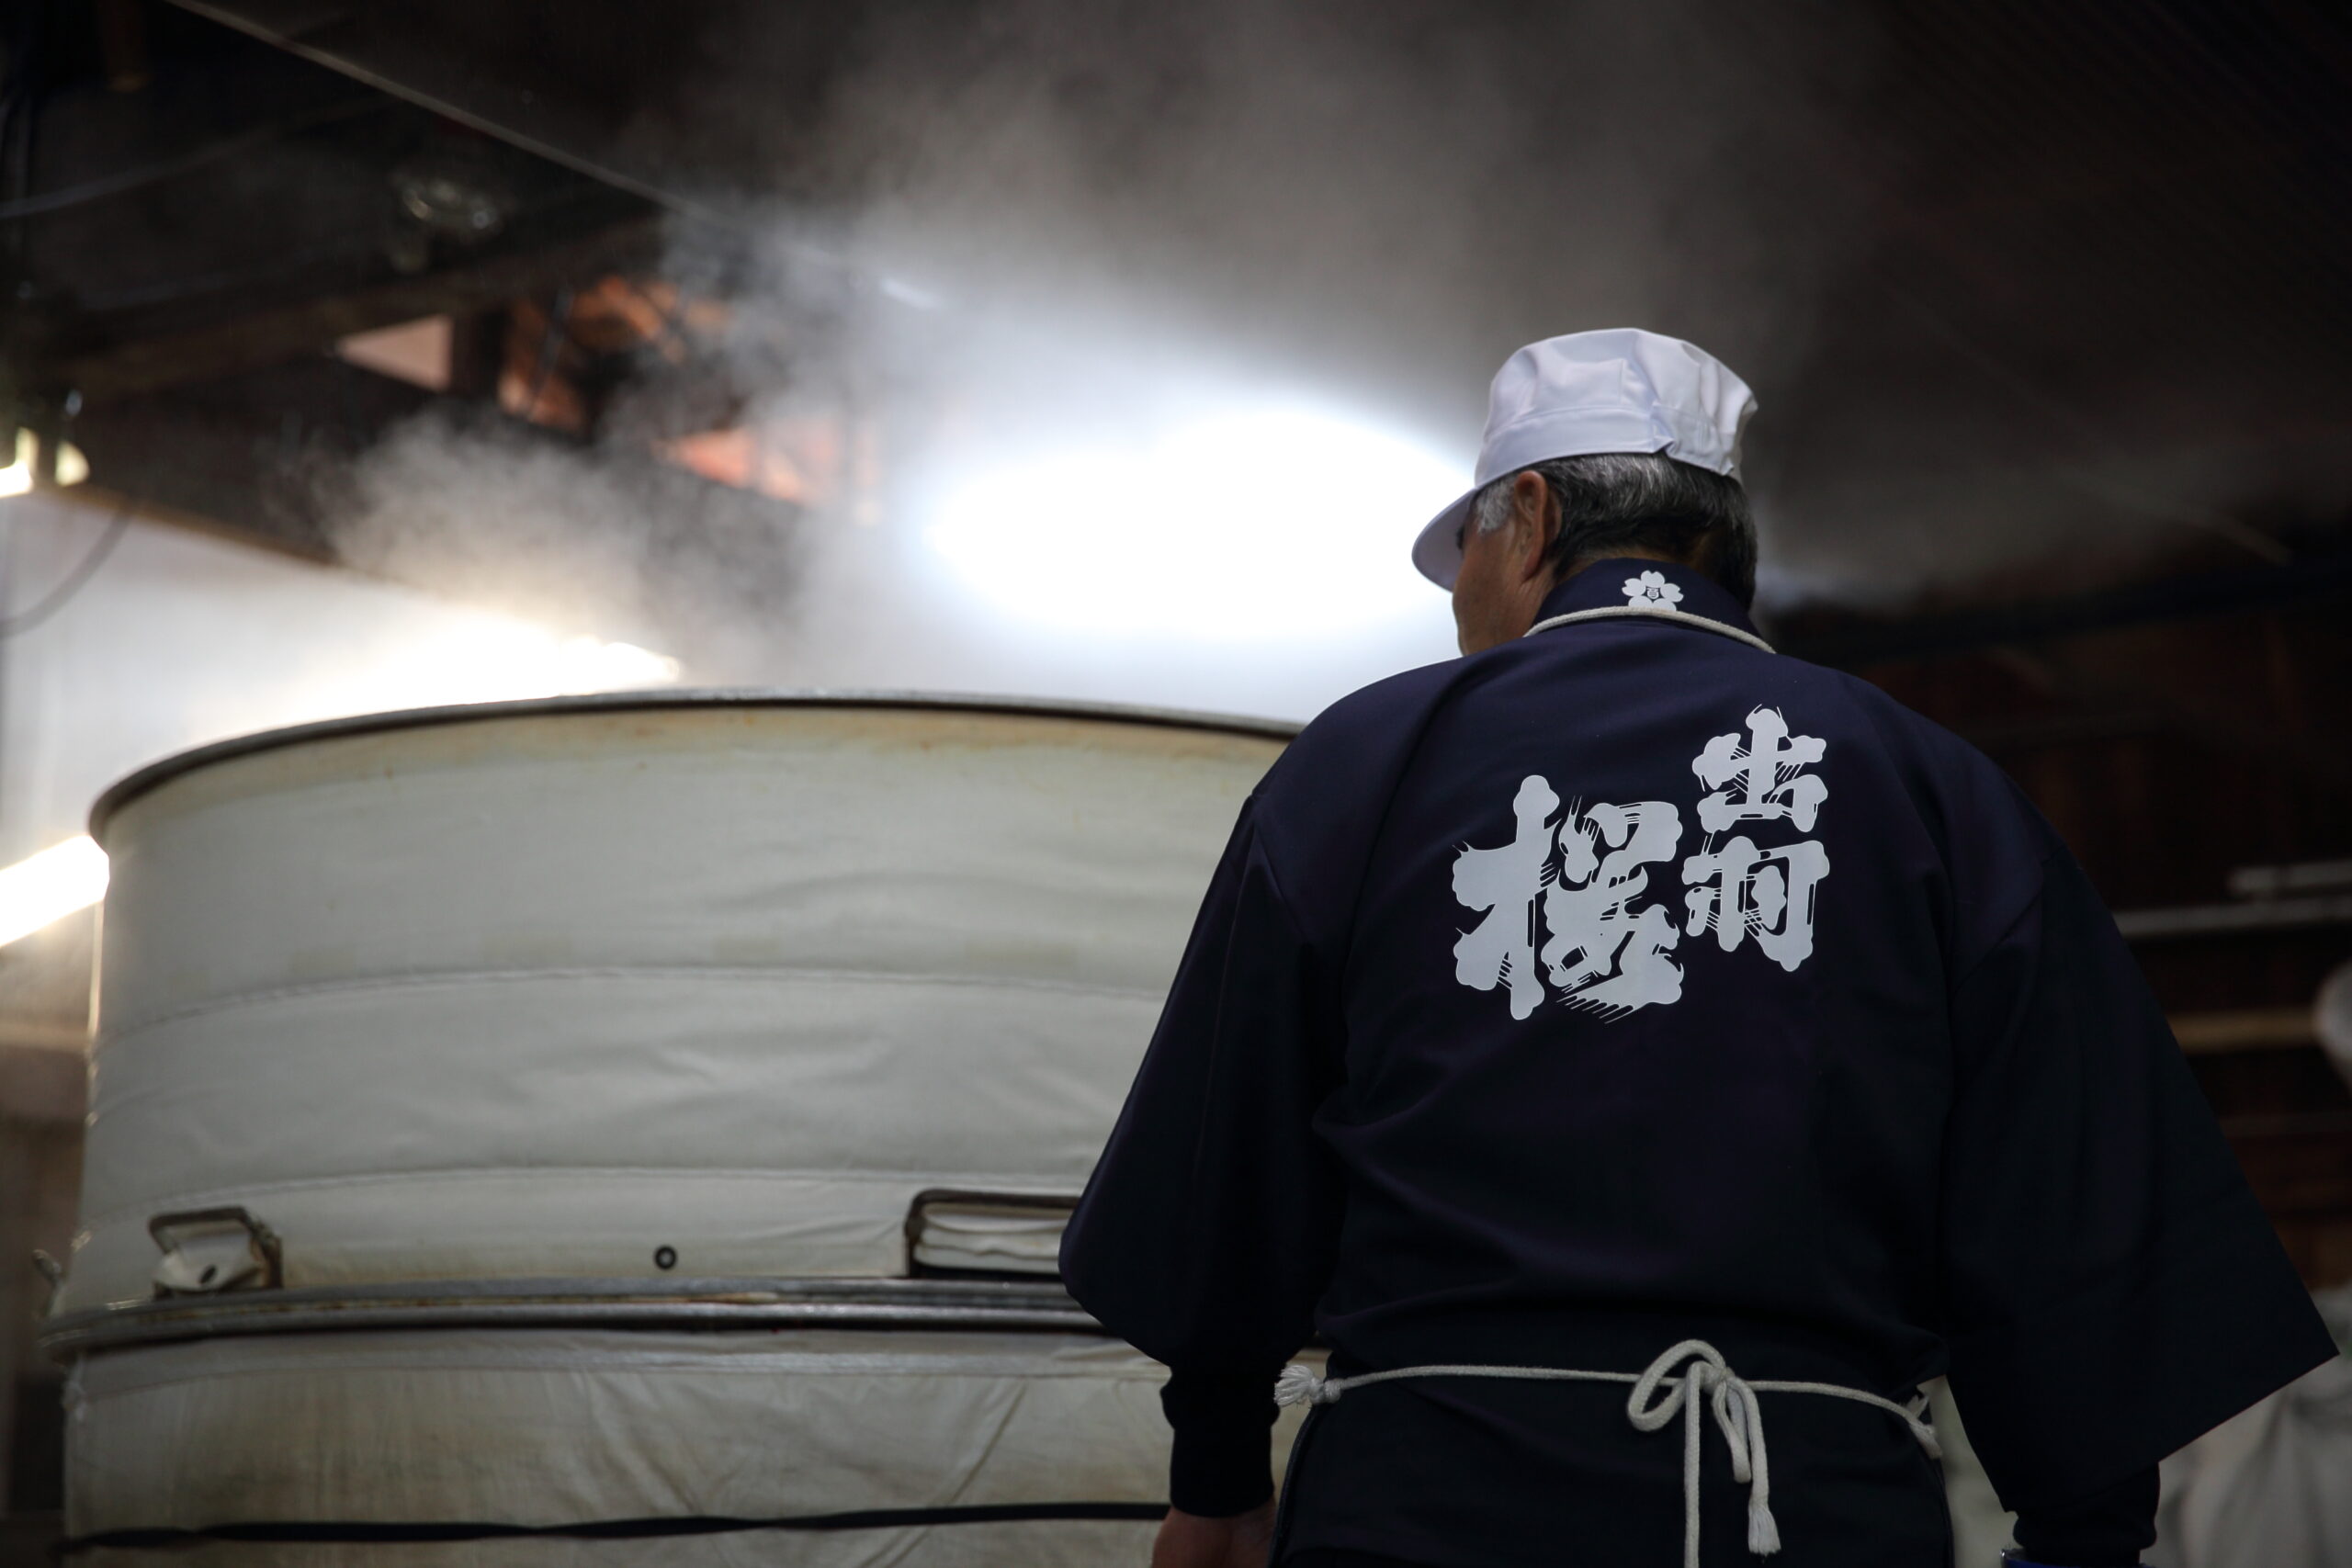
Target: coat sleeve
1207, 1232
2111, 1289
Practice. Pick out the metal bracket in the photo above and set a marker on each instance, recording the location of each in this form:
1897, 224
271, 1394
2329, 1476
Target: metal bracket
51, 1269
944, 1203
207, 1251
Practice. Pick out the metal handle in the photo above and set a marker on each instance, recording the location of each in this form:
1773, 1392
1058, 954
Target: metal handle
183, 1273
934, 1254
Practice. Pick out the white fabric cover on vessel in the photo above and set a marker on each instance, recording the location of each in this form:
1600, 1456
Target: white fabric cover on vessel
538, 1428
2270, 1488
541, 993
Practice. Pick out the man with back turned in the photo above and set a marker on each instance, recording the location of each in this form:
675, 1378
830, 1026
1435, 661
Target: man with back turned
1625, 1042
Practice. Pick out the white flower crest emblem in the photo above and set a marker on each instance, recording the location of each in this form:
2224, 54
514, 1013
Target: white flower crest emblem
1651, 591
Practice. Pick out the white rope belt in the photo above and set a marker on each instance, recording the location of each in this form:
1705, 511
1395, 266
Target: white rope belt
1658, 1398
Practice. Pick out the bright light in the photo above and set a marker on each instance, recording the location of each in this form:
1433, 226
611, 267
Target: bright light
17, 477
1262, 524
482, 656
49, 887
588, 665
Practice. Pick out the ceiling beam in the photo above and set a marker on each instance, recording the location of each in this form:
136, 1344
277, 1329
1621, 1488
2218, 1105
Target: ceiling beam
398, 53
311, 326
246, 456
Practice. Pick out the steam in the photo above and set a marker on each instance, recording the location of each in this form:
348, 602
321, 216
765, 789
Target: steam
1074, 223
601, 539
1395, 195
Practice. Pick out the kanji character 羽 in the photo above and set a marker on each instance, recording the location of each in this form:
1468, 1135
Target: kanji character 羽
1740, 891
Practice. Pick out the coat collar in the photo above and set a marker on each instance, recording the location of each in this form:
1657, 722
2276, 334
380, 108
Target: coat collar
1629, 587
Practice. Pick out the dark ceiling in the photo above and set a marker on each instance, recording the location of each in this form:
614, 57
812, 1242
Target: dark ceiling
2085, 321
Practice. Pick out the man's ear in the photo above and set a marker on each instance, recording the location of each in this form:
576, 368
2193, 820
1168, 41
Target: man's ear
1535, 522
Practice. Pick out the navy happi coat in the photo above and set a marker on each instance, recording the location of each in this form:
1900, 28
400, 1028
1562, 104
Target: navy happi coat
1632, 983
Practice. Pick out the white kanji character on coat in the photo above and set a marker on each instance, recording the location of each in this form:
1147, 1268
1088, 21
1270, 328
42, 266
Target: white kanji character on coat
1506, 880
1604, 954
1740, 891
1762, 782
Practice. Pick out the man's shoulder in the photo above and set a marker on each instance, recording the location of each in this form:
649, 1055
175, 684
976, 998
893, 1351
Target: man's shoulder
1976, 813
1373, 722
1947, 783
1913, 738
1320, 806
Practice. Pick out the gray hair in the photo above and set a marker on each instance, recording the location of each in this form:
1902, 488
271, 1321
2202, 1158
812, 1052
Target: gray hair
1611, 501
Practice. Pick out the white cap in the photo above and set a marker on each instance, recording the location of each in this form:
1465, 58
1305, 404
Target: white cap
1621, 390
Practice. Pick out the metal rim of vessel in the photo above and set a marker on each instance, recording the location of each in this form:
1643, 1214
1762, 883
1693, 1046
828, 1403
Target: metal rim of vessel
980, 1305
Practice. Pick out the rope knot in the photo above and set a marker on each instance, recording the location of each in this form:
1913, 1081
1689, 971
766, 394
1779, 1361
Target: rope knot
1299, 1385
1708, 1382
